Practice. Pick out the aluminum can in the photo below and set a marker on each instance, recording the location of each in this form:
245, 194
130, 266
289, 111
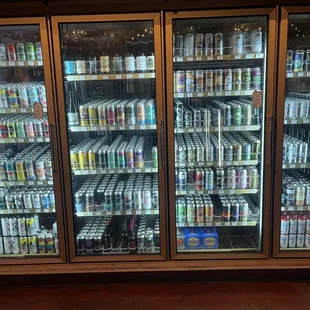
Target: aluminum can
220, 178
83, 114
20, 129
2, 52
283, 241
102, 157
246, 42
189, 45
10, 171
21, 55
155, 157
181, 210
18, 200
226, 211
234, 211
50, 247
237, 43
298, 60
11, 129
218, 79
83, 159
179, 45
150, 113
23, 245
31, 226
180, 81
244, 211
30, 170
199, 179
79, 202
209, 80
138, 198
253, 177
190, 80
22, 228
293, 225
5, 226
15, 245
13, 226
130, 160
292, 240
256, 76
32, 244
231, 178
27, 201
41, 243
307, 240
256, 38
121, 159
8, 247
39, 54
209, 179
30, 50
227, 79
36, 200
141, 112
102, 116
40, 169
20, 170
92, 115
199, 80
209, 44
11, 51
199, 44
29, 129
199, 211
237, 79
218, 44
300, 240
90, 201
45, 200
246, 78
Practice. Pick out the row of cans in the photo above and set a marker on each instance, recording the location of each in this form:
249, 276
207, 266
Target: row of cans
295, 241
295, 150
233, 147
21, 51
116, 112
22, 95
18, 198
20, 226
217, 178
110, 193
295, 189
23, 126
127, 235
231, 113
209, 44
297, 105
94, 153
217, 80
298, 61
33, 163
106, 64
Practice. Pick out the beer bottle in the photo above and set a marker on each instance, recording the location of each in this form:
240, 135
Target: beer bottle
81, 63
132, 245
124, 238
141, 58
73, 115
106, 239
130, 64
150, 60
117, 61
92, 60
104, 58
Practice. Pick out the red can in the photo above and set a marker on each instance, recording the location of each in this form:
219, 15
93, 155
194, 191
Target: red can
3, 130
199, 179
11, 52
120, 111
111, 114
293, 224
45, 128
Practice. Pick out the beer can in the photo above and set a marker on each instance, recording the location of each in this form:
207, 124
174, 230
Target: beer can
150, 113
91, 155
20, 129
179, 45
256, 76
227, 79
92, 115
84, 116
22, 228
45, 200
32, 244
190, 80
79, 202
231, 178
15, 245
283, 241
209, 44
180, 81
256, 39
27, 201
155, 157
83, 159
199, 44
11, 129
2, 52
31, 226
33, 94
237, 43
39, 54
138, 198
199, 74
237, 79
13, 226
209, 80
8, 247
140, 108
10, 171
246, 78
30, 51
189, 44
226, 207
102, 116
11, 51
244, 211
21, 55
20, 170
218, 79
18, 200
5, 226
218, 44
234, 211
30, 170
292, 240
23, 241
29, 126
49, 240
199, 211
40, 169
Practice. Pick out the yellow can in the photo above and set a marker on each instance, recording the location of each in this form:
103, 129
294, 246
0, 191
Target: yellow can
73, 159
92, 159
83, 160
92, 113
20, 171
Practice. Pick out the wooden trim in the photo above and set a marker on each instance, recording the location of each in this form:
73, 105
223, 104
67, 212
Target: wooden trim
56, 20
41, 22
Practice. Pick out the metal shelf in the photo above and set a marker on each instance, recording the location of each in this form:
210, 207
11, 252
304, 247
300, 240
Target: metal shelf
215, 128
29, 255
25, 211
217, 192
229, 244
118, 170
18, 110
297, 121
123, 76
179, 59
20, 63
216, 163
217, 224
112, 127
112, 213
214, 94
294, 249
295, 166
23, 183
290, 75
295, 208
24, 140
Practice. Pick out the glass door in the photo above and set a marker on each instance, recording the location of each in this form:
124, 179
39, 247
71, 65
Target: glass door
218, 115
28, 200
293, 226
112, 120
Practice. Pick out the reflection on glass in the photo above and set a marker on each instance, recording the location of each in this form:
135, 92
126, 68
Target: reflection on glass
218, 64
27, 199
295, 199
109, 71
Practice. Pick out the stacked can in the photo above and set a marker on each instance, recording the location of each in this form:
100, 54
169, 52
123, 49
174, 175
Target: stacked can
295, 230
298, 61
217, 80
22, 95
295, 189
21, 51
295, 150
148, 237
118, 112
209, 44
17, 198
297, 105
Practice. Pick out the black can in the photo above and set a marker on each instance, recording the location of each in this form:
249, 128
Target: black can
97, 243
89, 248
234, 210
80, 244
99, 196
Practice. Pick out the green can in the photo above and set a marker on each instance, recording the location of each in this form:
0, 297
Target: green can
20, 129
237, 115
246, 79
30, 50
256, 148
181, 210
155, 156
21, 55
237, 79
247, 114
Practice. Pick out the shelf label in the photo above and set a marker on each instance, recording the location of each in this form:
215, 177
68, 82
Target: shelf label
210, 94
189, 58
23, 110
13, 140
308, 73
237, 56
300, 74
220, 57
200, 94
249, 56
21, 63
30, 63
289, 74
94, 77
118, 76
31, 139
198, 58
11, 63
40, 63
227, 93
189, 95
141, 75
105, 77
210, 57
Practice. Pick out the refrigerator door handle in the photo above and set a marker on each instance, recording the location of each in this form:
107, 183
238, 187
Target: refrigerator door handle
52, 139
161, 145
270, 141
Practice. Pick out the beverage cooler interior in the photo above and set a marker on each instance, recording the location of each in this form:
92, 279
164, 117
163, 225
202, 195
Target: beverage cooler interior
219, 133
27, 200
110, 101
295, 199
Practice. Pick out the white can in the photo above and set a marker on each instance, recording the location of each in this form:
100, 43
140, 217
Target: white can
5, 226
300, 241
7, 242
1, 246
283, 241
13, 226
257, 41
15, 245
307, 240
293, 226
285, 224
237, 43
292, 241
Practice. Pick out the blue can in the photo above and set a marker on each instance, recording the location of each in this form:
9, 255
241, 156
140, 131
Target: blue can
33, 94
69, 67
45, 200
150, 117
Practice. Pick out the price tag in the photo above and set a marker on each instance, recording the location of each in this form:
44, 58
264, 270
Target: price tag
30, 63
210, 57
92, 171
292, 165
300, 74
31, 139
227, 93
308, 73
103, 127
39, 139
259, 55
50, 182
40, 63
233, 223
200, 94
218, 93
26, 211
130, 170
180, 95
179, 58
153, 75
300, 208
227, 224
237, 93
189, 95
131, 127
21, 63
10, 211
220, 191
237, 56
82, 78
220, 57
13, 140
257, 99
112, 127
2, 111
118, 76
218, 224
189, 58
249, 56
2, 63
142, 126
89, 213
23, 110
128, 212
11, 63
244, 223
201, 224
120, 170
290, 208
122, 127
31, 183
303, 165
198, 58
289, 75
306, 121
11, 183
117, 213
138, 212
294, 121
40, 183
148, 170
210, 93
105, 77
138, 170
46, 210
94, 77
141, 75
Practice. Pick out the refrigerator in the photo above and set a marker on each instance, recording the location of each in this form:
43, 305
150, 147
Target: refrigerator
32, 229
109, 81
292, 178
220, 106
